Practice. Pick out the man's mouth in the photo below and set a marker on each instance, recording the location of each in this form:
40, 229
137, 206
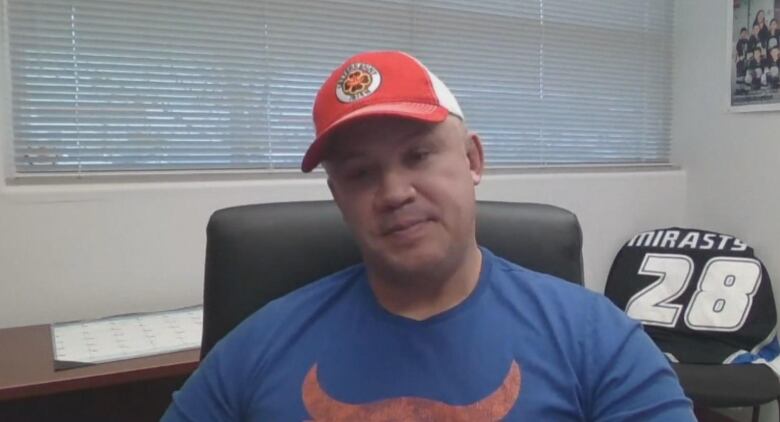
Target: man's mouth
404, 225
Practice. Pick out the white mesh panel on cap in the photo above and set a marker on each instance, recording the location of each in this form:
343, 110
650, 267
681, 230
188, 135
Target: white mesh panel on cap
446, 99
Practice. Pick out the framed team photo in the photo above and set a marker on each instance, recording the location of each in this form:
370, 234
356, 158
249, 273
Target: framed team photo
754, 55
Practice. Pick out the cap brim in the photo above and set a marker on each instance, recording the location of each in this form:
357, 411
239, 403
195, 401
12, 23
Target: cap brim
431, 113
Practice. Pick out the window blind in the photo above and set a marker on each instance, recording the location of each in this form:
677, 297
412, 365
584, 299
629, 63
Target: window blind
106, 85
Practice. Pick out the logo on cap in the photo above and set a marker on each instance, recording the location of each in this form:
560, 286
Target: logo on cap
359, 80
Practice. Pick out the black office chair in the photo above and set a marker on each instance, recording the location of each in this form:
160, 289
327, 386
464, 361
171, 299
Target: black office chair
715, 386
256, 253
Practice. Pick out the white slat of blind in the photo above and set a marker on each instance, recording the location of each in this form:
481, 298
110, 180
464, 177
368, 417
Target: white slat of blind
610, 101
206, 84
306, 41
108, 85
490, 59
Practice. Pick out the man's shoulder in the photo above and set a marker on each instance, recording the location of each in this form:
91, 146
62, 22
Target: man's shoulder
552, 296
269, 331
316, 292
303, 302
570, 311
516, 276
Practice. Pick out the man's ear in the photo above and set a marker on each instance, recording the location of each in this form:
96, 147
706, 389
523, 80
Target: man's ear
475, 156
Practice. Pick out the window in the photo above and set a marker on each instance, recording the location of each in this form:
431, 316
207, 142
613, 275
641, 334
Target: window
104, 85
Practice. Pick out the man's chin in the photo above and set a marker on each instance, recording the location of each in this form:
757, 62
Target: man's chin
410, 262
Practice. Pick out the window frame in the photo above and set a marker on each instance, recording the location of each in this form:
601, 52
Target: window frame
13, 177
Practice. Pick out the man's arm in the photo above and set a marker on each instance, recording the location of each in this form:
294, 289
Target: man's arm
209, 394
216, 390
629, 377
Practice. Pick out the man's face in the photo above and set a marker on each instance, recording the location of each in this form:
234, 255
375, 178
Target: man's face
406, 190
775, 54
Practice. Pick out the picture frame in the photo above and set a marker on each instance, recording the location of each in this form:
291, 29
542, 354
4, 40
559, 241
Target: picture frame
753, 55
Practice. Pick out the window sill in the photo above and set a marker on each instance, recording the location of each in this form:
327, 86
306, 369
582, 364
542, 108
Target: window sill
98, 178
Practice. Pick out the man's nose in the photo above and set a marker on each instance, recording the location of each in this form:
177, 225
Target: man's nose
395, 190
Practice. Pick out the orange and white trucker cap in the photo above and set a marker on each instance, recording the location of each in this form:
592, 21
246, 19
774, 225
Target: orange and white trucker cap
377, 83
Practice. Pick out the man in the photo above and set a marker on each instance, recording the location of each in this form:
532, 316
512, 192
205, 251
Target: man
774, 35
755, 71
430, 327
754, 41
742, 43
772, 68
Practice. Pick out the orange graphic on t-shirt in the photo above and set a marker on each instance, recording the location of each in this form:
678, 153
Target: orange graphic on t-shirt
494, 407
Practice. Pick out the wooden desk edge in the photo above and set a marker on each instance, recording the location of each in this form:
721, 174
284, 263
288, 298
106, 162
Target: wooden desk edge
101, 380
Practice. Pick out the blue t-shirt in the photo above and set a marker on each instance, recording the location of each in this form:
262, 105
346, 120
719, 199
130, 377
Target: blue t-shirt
523, 346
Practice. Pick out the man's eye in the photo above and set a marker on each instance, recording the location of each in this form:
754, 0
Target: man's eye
420, 155
356, 174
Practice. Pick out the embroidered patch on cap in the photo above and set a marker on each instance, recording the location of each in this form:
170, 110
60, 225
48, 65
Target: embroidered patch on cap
359, 80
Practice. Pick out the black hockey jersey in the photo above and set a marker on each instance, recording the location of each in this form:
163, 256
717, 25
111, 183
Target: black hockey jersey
702, 296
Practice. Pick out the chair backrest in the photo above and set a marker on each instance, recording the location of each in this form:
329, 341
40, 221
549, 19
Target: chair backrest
256, 253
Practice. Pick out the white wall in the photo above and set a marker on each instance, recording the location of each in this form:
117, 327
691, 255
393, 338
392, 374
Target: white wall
732, 160
77, 251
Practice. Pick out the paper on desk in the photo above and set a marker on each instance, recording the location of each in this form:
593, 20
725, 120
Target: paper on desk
126, 336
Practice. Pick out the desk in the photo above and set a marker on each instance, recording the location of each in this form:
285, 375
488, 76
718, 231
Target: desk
30, 389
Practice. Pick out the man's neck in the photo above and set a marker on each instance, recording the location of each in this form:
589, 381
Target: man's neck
423, 296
